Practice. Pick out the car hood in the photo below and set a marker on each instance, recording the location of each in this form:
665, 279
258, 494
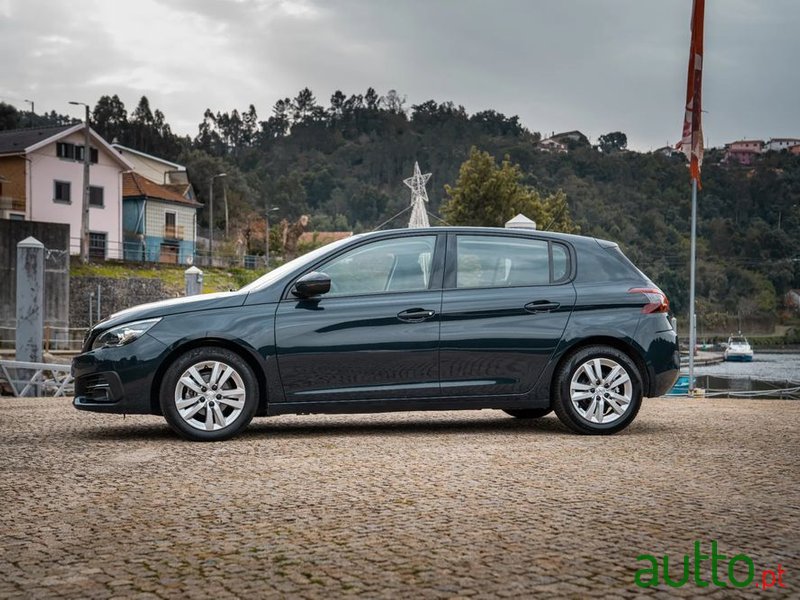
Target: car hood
174, 306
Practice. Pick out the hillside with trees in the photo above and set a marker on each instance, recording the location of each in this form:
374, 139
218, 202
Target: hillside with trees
342, 161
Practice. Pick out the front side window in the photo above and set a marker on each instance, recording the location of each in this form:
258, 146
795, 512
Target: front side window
398, 265
62, 191
493, 261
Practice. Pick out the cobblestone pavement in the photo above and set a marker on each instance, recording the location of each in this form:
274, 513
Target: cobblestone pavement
397, 505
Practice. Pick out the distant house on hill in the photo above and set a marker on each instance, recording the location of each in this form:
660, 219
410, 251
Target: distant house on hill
41, 174
667, 151
563, 142
565, 137
743, 152
551, 145
778, 144
159, 223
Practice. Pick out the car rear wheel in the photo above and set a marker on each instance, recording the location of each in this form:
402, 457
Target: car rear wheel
598, 390
528, 413
209, 394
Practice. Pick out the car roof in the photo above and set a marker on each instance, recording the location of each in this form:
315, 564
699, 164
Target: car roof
579, 239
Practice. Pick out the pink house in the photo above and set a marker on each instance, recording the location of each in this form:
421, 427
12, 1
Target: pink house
42, 169
743, 152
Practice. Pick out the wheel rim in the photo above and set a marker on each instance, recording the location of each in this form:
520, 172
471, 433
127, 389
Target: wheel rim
601, 391
210, 395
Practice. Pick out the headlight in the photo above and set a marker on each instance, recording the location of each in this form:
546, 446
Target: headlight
123, 334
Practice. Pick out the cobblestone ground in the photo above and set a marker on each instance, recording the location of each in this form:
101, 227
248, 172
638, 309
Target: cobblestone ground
402, 505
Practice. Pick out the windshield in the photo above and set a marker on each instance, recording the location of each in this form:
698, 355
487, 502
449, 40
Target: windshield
297, 263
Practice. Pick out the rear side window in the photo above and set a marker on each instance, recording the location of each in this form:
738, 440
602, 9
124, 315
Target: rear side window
560, 263
606, 264
494, 261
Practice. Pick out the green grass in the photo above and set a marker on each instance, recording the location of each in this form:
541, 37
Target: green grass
215, 279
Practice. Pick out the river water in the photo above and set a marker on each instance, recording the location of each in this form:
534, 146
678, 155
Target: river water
775, 367
767, 376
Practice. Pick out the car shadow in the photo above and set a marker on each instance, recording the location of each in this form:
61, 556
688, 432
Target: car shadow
351, 426
404, 427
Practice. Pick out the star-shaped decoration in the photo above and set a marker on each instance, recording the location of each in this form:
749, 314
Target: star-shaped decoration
417, 183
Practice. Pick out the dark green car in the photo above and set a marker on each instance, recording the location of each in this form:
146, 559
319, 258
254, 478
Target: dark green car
415, 319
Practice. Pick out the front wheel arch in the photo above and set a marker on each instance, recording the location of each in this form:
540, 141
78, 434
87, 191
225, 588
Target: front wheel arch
212, 342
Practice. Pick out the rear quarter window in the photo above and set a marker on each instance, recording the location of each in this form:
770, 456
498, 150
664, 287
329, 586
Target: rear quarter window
605, 264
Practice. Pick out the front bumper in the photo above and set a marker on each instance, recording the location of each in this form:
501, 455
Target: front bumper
118, 380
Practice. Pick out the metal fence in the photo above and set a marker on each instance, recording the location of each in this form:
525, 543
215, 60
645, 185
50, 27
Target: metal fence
55, 339
135, 252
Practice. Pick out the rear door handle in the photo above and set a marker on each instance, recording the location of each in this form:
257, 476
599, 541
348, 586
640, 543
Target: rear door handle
541, 306
415, 315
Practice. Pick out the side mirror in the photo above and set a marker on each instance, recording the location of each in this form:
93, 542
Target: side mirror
312, 284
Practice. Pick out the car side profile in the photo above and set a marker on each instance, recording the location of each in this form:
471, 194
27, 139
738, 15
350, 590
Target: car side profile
416, 319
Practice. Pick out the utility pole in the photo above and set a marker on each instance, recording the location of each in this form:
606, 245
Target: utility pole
85, 212
225, 202
211, 218
30, 118
266, 235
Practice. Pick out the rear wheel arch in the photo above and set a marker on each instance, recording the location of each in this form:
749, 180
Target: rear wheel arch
629, 350
598, 390
258, 369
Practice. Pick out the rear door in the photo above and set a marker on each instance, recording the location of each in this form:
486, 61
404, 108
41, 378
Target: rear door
506, 303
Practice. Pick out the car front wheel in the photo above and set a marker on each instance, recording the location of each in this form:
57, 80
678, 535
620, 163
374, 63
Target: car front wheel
598, 390
209, 394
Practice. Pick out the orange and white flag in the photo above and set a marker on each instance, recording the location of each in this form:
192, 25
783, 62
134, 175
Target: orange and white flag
692, 139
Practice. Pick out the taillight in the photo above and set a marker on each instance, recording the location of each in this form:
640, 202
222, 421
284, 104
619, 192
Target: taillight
657, 301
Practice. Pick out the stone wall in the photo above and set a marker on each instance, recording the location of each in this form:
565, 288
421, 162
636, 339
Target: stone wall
115, 295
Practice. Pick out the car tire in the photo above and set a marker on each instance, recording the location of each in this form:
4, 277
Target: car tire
208, 394
597, 403
528, 413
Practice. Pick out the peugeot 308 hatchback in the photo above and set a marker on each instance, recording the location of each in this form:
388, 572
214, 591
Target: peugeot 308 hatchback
417, 319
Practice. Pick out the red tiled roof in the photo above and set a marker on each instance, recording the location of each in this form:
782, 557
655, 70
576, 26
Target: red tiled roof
136, 186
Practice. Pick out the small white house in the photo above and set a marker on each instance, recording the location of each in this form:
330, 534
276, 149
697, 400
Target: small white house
778, 144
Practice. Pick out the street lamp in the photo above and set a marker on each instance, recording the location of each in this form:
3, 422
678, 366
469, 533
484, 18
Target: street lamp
85, 211
211, 217
266, 234
30, 119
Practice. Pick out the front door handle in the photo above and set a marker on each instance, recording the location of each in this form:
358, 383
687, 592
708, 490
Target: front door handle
415, 315
541, 306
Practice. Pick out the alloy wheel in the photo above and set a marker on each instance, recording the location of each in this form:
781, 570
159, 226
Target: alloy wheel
210, 395
601, 390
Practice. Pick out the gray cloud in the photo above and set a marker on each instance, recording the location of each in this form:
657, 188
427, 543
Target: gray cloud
595, 65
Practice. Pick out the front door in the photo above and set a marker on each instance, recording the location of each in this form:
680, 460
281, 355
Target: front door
375, 335
506, 302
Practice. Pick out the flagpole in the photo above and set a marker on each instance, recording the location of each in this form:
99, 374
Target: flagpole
692, 260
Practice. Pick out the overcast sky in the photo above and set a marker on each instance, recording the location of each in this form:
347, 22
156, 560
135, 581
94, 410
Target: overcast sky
593, 65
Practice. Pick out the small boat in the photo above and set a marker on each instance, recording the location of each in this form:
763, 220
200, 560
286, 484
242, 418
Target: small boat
738, 349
